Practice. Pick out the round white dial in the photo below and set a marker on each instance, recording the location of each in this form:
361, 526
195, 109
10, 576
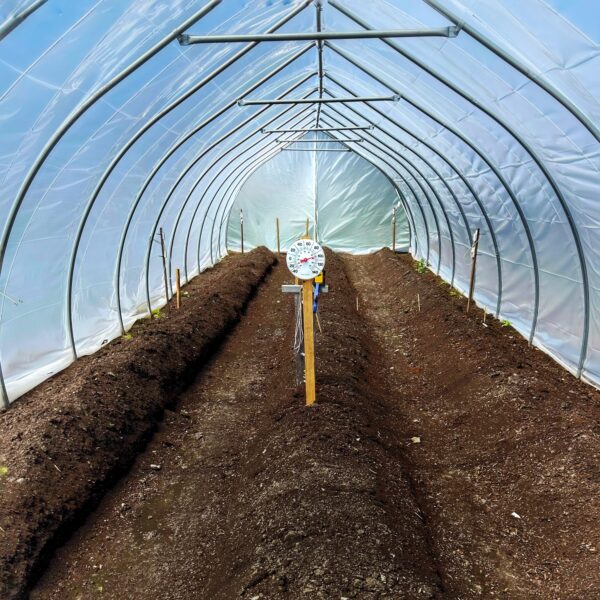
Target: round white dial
305, 259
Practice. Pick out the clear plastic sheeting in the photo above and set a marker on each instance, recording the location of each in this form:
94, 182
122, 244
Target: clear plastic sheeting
347, 201
112, 131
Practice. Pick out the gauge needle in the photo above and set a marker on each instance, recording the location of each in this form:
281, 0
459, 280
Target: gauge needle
304, 260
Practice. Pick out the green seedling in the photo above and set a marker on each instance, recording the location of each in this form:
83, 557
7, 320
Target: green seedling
3, 471
455, 293
421, 266
157, 313
127, 336
506, 323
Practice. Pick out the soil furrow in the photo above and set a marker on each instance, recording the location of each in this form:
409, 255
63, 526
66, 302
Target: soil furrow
245, 492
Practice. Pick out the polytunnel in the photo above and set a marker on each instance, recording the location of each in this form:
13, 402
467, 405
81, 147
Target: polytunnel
122, 121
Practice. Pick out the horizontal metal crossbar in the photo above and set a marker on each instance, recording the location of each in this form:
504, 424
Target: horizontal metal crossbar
330, 141
318, 129
319, 36
394, 98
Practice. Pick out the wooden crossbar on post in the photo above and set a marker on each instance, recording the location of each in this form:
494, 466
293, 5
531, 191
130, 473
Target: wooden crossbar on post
178, 288
474, 250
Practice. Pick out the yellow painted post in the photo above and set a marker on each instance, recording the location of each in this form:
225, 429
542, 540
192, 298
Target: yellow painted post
178, 287
278, 243
309, 342
307, 226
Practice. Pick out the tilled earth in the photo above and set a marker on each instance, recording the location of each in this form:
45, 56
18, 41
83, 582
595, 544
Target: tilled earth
444, 459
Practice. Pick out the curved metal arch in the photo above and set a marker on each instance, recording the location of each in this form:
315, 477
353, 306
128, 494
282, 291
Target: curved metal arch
441, 204
506, 57
16, 20
407, 210
437, 197
379, 169
182, 140
514, 200
193, 216
523, 143
225, 211
459, 174
427, 162
208, 170
69, 122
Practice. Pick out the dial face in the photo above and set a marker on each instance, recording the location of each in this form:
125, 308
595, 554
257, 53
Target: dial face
305, 259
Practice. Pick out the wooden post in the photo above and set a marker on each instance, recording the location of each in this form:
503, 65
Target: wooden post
178, 287
307, 229
309, 341
474, 250
394, 230
278, 242
164, 262
242, 228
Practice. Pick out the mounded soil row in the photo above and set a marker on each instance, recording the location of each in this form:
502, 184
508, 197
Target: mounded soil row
508, 455
66, 442
258, 496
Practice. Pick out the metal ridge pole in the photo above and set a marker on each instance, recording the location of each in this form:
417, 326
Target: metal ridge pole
316, 129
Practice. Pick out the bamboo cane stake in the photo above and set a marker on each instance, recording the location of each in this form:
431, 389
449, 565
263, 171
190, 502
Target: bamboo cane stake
278, 239
164, 262
178, 288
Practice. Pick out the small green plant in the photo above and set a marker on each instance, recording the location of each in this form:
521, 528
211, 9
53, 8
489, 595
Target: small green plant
421, 266
157, 313
455, 293
127, 336
3, 471
186, 294
506, 323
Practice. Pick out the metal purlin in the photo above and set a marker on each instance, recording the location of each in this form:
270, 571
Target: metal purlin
195, 161
400, 160
526, 146
202, 176
214, 162
455, 170
164, 159
66, 126
131, 142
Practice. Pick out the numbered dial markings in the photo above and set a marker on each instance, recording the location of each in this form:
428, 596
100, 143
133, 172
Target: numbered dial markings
305, 259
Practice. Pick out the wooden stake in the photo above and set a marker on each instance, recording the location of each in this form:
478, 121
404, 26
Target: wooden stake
178, 287
318, 322
309, 342
164, 262
278, 242
242, 229
474, 250
419, 302
394, 230
307, 228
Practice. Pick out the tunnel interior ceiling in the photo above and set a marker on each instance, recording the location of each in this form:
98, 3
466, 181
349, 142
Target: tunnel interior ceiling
112, 131
347, 201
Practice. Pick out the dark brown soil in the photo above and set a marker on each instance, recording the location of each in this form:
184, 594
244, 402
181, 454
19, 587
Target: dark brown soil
508, 463
258, 496
444, 459
64, 443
